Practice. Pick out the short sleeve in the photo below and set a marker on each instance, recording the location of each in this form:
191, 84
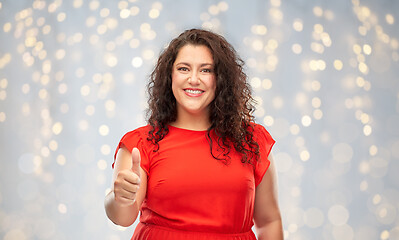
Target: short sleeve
266, 143
135, 139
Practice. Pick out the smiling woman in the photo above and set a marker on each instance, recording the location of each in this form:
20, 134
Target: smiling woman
193, 85
201, 168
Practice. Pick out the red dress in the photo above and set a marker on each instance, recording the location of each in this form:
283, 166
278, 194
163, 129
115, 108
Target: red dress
190, 194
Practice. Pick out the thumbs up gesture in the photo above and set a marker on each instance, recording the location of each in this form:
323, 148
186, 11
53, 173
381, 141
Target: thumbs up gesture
127, 181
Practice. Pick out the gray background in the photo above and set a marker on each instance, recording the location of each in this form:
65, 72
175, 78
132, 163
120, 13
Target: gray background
325, 74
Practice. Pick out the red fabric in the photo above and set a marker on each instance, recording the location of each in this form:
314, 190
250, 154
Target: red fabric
190, 192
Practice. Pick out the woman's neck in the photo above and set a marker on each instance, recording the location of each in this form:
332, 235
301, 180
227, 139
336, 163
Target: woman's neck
192, 122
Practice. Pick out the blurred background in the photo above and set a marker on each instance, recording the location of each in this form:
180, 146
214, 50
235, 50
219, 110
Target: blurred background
325, 75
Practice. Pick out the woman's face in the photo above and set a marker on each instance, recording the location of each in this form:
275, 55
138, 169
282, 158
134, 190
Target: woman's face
193, 80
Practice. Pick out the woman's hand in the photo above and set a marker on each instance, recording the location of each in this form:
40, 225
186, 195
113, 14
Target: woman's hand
127, 182
129, 187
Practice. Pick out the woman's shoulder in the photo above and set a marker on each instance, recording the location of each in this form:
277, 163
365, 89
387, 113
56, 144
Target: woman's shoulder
257, 127
139, 133
260, 132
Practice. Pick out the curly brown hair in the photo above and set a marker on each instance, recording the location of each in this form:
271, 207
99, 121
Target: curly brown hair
230, 111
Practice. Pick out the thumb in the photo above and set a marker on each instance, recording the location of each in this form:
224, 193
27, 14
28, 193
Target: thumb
136, 161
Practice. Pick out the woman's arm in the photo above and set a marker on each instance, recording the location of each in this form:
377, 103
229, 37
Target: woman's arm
129, 188
267, 216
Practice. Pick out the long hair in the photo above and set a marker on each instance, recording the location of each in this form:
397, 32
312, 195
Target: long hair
231, 110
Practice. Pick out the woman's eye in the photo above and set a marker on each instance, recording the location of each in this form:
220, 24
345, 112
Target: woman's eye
207, 70
182, 69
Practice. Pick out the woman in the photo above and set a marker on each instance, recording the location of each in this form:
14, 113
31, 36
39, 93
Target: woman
198, 169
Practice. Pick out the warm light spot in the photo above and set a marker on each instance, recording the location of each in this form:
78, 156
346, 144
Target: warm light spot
296, 48
364, 167
259, 29
338, 65
278, 102
316, 102
148, 54
61, 17
316, 65
257, 45
90, 21
110, 60
317, 11
105, 149
377, 199
83, 125
46, 29
137, 62
103, 130
362, 30
390, 19
25, 109
317, 114
57, 128
364, 118
60, 54
62, 88
255, 82
272, 44
90, 110
367, 130
267, 84
223, 6
43, 94
124, 13
62, 208
45, 152
134, 43
61, 160
268, 121
77, 3
367, 49
315, 85
364, 186
104, 12
213, 10
85, 90
30, 41
365, 11
306, 121
3, 83
276, 14
102, 164
304, 155
294, 129
357, 49
363, 68
298, 25
373, 150
318, 28
360, 82
2, 116
275, 3
53, 145
384, 235
110, 105
134, 11
7, 27
101, 29
154, 13
145, 27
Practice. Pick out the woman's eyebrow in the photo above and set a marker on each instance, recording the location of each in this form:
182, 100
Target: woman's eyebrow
188, 64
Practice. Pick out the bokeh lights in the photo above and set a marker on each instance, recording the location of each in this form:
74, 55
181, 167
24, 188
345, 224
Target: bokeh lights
324, 75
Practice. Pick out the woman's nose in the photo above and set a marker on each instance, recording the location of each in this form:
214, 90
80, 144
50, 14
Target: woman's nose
194, 79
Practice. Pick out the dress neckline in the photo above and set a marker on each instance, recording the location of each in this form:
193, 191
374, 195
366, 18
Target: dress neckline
185, 129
